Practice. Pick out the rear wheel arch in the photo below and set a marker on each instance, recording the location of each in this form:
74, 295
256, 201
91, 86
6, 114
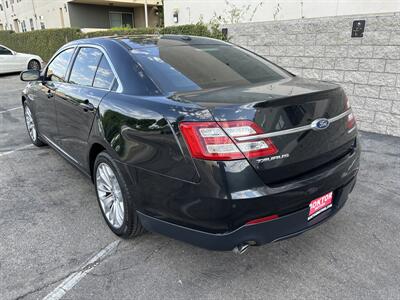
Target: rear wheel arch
131, 225
94, 151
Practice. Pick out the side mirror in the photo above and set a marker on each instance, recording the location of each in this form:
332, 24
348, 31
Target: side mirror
30, 75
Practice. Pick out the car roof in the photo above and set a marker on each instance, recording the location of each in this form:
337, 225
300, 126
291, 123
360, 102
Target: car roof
119, 50
147, 41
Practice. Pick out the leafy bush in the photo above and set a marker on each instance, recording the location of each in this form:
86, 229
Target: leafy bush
122, 31
41, 42
45, 42
199, 29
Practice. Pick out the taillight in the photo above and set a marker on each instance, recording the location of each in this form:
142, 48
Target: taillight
216, 141
351, 121
251, 149
206, 140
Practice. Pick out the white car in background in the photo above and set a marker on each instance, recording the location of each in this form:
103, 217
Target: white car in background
11, 61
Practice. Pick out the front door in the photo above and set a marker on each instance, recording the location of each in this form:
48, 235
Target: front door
7, 60
47, 92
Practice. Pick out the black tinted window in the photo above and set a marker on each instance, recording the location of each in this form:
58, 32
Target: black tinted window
185, 68
104, 75
85, 66
58, 67
4, 51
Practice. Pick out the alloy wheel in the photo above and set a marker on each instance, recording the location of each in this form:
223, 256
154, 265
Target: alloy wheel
110, 195
34, 65
30, 125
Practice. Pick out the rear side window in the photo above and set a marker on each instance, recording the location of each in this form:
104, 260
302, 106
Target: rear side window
4, 51
85, 66
57, 69
104, 76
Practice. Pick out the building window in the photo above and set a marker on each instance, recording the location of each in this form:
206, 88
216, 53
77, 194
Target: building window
1, 7
6, 4
121, 19
23, 26
31, 23
42, 25
16, 25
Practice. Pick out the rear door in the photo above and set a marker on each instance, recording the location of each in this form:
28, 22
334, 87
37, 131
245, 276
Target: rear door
90, 79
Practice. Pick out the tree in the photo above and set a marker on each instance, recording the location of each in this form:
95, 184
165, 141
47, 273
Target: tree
236, 14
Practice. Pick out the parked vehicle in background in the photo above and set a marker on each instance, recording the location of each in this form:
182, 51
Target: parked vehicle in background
196, 138
11, 61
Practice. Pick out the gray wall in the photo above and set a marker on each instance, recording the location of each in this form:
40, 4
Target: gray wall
93, 16
368, 68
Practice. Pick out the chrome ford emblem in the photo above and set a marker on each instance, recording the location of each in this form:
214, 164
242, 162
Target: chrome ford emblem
320, 124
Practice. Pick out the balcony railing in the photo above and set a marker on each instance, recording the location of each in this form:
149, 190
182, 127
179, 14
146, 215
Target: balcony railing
126, 3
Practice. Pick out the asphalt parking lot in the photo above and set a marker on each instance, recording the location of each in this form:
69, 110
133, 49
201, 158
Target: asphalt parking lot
51, 227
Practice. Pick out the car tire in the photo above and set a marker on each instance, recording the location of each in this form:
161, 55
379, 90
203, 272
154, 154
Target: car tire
34, 65
111, 197
31, 126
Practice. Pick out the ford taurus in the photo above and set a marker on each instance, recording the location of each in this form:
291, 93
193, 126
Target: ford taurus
196, 138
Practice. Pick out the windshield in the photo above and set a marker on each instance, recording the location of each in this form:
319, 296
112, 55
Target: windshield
196, 67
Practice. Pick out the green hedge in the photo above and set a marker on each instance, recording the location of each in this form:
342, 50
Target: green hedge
41, 42
122, 31
193, 29
45, 42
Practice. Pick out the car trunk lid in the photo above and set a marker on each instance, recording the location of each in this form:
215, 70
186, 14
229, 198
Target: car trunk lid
286, 109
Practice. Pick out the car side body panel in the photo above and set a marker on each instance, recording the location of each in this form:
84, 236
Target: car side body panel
143, 133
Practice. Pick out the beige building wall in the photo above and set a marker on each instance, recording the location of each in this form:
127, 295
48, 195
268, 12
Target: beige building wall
52, 14
36, 14
192, 11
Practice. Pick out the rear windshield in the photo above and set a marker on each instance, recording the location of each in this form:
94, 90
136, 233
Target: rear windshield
196, 67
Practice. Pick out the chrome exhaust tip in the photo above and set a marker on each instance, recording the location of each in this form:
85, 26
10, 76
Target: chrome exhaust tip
240, 249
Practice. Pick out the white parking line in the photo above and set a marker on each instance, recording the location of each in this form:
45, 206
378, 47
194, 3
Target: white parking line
15, 150
11, 109
77, 276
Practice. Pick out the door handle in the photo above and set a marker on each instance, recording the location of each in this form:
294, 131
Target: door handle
50, 94
86, 105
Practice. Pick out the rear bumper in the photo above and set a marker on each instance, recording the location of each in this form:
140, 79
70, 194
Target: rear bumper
259, 234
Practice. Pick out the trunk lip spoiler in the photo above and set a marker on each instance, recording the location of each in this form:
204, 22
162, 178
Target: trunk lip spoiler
290, 131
